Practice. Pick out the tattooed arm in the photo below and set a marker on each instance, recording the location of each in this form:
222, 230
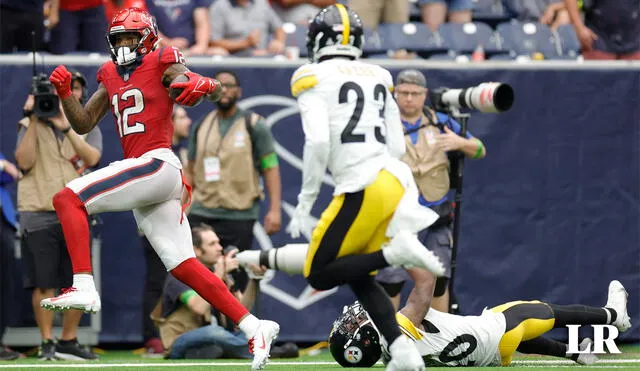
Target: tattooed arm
83, 119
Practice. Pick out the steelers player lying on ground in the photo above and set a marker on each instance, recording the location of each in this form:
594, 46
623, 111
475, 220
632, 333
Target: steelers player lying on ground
489, 339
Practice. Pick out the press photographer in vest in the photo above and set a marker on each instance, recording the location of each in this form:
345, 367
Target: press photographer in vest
229, 149
50, 155
430, 136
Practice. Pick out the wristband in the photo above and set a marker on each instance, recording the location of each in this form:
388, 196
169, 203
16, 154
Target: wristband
269, 161
185, 296
479, 150
65, 131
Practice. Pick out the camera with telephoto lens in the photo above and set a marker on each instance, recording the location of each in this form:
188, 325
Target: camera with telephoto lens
46, 102
488, 97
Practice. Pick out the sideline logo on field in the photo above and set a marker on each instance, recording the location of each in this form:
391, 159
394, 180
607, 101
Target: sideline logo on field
599, 340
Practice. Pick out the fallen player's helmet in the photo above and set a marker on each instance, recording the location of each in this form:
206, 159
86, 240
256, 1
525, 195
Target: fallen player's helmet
354, 340
335, 31
132, 22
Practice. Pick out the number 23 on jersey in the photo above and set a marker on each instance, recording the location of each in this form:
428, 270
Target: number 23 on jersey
379, 93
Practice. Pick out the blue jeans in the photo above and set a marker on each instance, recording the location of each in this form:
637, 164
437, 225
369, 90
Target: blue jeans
234, 344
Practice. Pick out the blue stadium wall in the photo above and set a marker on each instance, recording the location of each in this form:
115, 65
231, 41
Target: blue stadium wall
552, 213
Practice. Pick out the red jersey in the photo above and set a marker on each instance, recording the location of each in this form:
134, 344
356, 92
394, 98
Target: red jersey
140, 104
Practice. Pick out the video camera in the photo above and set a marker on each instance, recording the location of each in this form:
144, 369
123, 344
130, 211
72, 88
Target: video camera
46, 102
488, 97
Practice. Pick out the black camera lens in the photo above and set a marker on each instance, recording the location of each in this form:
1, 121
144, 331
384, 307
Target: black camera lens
45, 105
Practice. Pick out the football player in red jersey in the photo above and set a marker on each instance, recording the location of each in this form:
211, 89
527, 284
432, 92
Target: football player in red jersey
149, 180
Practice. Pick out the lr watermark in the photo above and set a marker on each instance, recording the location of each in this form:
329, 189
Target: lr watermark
599, 340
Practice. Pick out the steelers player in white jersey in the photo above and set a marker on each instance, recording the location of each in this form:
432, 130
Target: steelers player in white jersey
489, 339
352, 128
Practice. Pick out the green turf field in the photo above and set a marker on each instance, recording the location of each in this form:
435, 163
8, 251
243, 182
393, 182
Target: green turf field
127, 360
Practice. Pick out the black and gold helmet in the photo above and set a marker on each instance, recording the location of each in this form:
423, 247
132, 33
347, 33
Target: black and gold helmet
335, 31
354, 340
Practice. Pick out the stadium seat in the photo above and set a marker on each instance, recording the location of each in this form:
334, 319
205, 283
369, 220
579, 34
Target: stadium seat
464, 38
527, 38
297, 35
491, 12
373, 44
415, 37
569, 42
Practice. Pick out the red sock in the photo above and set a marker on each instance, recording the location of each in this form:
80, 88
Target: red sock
73, 217
194, 274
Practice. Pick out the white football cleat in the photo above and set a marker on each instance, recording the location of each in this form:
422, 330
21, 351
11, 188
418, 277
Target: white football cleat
586, 358
260, 343
72, 298
405, 250
617, 300
404, 356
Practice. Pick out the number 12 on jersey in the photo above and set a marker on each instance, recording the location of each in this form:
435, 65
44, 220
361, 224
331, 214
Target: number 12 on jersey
122, 118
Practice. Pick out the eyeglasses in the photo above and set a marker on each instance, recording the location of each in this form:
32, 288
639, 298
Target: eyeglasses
229, 85
413, 94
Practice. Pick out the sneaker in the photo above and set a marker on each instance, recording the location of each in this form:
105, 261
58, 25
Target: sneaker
404, 356
586, 358
72, 298
617, 300
71, 350
47, 351
260, 343
406, 251
8, 354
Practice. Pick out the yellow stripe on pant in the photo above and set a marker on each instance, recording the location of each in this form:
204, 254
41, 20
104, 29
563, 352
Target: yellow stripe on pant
523, 324
366, 214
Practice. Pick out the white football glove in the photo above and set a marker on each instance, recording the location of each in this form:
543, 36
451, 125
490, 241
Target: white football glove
298, 224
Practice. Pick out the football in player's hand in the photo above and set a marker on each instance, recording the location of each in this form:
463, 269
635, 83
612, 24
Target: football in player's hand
175, 92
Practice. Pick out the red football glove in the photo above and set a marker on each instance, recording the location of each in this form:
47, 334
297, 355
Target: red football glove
195, 89
61, 80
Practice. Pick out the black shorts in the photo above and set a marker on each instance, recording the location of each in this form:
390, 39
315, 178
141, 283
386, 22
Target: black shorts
45, 258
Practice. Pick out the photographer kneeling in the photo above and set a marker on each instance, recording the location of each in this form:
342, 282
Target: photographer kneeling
189, 327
